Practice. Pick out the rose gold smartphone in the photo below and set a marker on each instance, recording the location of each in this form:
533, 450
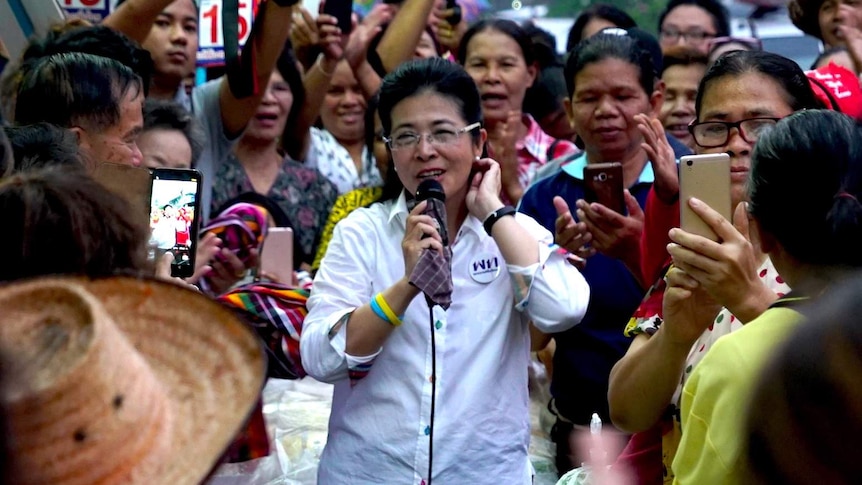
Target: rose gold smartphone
706, 177
276, 257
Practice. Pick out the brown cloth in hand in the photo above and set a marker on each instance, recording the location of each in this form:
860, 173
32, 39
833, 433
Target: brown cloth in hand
433, 272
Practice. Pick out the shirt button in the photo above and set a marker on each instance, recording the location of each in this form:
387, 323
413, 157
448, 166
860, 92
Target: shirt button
438, 324
427, 430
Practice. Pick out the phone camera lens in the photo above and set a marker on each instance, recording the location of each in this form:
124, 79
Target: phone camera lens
689, 163
603, 177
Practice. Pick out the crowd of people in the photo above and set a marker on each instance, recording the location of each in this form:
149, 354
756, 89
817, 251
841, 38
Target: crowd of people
434, 170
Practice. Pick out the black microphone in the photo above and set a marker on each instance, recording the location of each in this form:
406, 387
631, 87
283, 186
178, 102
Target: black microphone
432, 191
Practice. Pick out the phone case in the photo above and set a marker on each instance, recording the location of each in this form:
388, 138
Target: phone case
604, 184
706, 177
175, 216
341, 10
276, 258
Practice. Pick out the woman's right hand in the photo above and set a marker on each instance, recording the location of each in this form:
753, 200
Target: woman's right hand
331, 40
687, 309
415, 243
661, 156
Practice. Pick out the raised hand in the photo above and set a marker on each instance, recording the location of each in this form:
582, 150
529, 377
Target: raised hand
726, 269
661, 157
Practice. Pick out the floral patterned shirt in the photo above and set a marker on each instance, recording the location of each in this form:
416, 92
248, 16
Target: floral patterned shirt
336, 164
305, 196
647, 319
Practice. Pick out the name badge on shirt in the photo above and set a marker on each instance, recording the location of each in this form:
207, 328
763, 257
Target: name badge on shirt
485, 267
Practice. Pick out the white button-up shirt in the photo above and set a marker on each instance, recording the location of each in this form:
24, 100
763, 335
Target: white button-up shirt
379, 426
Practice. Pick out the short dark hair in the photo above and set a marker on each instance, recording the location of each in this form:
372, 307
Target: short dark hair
788, 75
809, 168
99, 41
168, 115
75, 89
597, 10
805, 14
683, 56
434, 75
718, 12
6, 159
58, 220
611, 46
504, 26
43, 145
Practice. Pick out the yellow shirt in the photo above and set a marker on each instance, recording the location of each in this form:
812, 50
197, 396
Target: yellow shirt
715, 400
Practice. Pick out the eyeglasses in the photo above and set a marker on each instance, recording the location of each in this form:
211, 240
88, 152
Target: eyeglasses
408, 140
751, 43
713, 134
695, 36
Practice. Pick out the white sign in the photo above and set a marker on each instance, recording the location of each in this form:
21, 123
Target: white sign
211, 36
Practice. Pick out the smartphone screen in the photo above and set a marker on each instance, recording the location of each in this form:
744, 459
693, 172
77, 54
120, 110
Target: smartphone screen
604, 184
174, 212
342, 10
705, 177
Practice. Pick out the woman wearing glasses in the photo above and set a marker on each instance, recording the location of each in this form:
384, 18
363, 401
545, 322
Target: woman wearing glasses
742, 95
423, 393
692, 23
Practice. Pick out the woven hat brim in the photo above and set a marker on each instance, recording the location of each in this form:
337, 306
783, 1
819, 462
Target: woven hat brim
212, 365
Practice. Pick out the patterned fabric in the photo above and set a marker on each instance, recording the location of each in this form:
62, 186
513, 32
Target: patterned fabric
648, 319
344, 205
241, 227
536, 149
276, 311
433, 272
304, 195
335, 163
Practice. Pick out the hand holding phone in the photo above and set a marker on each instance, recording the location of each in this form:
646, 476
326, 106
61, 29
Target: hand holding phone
604, 184
342, 10
707, 178
174, 216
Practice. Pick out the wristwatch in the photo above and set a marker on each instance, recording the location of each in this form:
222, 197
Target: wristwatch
495, 216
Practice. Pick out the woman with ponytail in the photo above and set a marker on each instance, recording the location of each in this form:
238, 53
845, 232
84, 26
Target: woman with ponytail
804, 190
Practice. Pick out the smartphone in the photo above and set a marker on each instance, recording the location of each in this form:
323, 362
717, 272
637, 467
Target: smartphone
706, 177
174, 216
455, 18
604, 184
276, 257
342, 10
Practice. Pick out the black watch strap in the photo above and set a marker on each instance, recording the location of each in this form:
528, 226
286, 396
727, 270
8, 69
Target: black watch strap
495, 216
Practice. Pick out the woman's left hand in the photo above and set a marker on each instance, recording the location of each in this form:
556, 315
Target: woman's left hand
726, 269
483, 197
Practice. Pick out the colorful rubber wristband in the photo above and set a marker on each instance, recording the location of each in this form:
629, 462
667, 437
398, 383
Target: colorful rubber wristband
387, 310
378, 311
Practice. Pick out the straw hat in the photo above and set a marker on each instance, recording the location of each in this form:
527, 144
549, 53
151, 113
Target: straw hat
121, 380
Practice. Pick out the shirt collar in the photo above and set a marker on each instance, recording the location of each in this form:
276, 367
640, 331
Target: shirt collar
532, 141
399, 211
575, 168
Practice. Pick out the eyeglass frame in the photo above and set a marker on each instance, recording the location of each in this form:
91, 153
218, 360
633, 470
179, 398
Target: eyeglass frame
675, 35
429, 137
753, 43
728, 125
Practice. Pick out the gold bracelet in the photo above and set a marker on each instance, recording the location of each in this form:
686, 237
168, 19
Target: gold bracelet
320, 66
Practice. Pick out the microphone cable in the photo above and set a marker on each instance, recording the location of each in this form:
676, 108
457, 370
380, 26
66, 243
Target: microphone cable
433, 389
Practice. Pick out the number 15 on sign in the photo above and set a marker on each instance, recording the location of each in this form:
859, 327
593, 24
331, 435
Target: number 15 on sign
211, 34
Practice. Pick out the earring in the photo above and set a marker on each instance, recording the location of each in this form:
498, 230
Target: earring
476, 158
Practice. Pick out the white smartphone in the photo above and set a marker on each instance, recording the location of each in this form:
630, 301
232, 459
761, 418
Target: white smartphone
706, 177
276, 257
